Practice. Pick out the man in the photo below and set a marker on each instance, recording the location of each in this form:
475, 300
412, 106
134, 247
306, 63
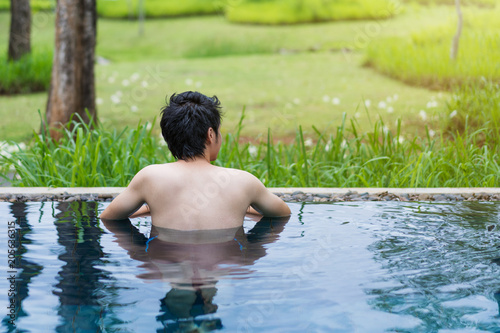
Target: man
191, 193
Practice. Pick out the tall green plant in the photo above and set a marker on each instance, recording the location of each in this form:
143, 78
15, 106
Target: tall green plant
345, 157
29, 74
478, 106
86, 156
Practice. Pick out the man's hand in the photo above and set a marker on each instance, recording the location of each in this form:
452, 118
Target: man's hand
252, 211
143, 211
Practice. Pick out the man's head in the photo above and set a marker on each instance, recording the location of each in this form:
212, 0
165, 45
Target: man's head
185, 123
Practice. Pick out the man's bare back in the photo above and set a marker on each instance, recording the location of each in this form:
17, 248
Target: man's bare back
193, 194
197, 195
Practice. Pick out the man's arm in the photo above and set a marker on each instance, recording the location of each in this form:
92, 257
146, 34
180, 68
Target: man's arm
128, 202
266, 203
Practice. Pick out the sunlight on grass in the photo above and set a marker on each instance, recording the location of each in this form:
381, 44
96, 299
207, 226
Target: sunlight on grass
156, 8
300, 11
422, 58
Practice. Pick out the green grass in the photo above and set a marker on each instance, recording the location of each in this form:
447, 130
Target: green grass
29, 74
157, 8
302, 11
283, 85
344, 157
478, 106
479, 3
422, 58
84, 157
35, 5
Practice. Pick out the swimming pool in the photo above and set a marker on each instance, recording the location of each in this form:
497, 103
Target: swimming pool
338, 267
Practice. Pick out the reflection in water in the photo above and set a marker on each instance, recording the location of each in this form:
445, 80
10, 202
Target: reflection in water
80, 282
192, 262
29, 269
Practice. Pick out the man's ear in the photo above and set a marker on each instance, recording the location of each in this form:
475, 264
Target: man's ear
211, 136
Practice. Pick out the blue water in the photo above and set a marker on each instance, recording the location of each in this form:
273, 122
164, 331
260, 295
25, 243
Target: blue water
342, 267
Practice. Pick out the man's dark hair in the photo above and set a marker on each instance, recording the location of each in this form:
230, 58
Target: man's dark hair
185, 121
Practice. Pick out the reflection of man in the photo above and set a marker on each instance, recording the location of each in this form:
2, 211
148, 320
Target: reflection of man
191, 193
192, 262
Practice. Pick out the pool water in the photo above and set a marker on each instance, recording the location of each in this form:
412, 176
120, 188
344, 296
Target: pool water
340, 267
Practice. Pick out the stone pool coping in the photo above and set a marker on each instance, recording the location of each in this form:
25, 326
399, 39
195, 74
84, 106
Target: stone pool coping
291, 194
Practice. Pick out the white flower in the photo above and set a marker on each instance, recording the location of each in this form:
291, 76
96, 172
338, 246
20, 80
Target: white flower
368, 103
198, 84
423, 115
390, 109
98, 101
296, 101
119, 93
326, 99
453, 114
335, 101
189, 82
389, 99
111, 79
308, 142
385, 129
115, 99
382, 105
395, 97
432, 104
401, 139
357, 115
343, 144
148, 126
252, 150
144, 84
328, 147
134, 77
134, 108
125, 83
7, 150
431, 133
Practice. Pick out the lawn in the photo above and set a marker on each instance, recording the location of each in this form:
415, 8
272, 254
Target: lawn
285, 76
422, 56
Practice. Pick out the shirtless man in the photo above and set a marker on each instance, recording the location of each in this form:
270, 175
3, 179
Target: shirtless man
191, 193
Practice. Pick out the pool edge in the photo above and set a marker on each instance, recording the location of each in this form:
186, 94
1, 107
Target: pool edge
306, 194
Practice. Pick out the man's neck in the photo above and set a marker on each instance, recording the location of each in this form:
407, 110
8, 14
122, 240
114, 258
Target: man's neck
198, 160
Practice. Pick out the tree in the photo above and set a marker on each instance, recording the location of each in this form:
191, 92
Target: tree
456, 38
72, 86
20, 29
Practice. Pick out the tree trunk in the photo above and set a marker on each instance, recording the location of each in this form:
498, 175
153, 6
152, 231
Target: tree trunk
20, 29
456, 38
72, 87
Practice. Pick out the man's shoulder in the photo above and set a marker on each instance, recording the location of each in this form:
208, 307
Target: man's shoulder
152, 168
153, 171
235, 172
238, 177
